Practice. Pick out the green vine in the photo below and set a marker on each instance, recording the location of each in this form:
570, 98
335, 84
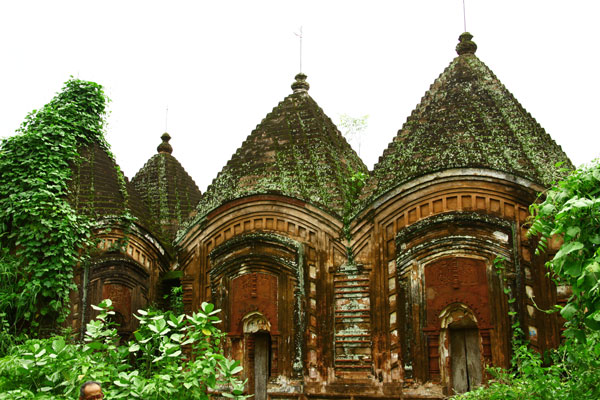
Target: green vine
42, 237
518, 339
351, 192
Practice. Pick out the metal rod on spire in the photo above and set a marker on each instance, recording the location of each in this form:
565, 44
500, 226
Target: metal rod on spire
464, 17
167, 119
300, 36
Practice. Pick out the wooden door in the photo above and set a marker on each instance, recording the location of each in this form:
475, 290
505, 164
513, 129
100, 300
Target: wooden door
465, 359
262, 348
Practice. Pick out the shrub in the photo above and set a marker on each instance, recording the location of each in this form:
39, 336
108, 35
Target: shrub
171, 357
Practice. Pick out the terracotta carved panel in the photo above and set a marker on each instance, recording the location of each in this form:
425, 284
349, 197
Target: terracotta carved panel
457, 280
121, 299
253, 292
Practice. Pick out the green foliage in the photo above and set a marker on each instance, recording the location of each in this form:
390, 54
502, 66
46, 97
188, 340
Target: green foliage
352, 128
571, 211
351, 192
518, 341
41, 236
171, 357
175, 299
574, 373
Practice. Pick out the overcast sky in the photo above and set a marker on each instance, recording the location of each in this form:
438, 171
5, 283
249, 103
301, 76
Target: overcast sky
221, 66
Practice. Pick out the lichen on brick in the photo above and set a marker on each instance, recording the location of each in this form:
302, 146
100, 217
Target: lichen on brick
467, 119
296, 151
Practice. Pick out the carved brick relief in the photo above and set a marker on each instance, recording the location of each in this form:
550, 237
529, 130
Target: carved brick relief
253, 292
455, 280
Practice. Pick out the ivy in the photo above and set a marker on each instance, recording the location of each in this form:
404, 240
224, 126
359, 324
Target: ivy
351, 192
42, 238
571, 213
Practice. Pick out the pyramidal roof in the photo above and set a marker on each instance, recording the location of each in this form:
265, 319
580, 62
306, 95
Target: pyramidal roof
467, 119
296, 151
98, 190
167, 189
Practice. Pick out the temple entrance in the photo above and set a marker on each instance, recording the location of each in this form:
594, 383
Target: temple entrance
256, 329
262, 358
465, 356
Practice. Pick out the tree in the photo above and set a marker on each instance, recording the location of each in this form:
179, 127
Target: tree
353, 128
571, 211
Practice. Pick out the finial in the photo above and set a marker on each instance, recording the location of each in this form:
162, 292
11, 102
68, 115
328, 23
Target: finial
165, 147
300, 85
465, 44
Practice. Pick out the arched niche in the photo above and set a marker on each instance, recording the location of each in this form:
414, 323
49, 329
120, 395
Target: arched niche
255, 322
258, 344
460, 349
124, 282
258, 282
444, 260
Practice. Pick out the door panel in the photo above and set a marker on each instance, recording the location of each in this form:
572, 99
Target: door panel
465, 359
460, 378
261, 365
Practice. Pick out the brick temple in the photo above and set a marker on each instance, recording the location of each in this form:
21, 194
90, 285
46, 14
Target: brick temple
335, 281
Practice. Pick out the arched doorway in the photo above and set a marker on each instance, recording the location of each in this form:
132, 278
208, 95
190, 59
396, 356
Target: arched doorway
257, 331
463, 341
465, 356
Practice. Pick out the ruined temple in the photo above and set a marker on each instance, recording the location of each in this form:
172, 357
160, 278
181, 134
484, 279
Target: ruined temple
335, 281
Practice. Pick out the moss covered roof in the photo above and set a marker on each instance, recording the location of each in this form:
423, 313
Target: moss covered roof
167, 189
295, 151
98, 191
467, 119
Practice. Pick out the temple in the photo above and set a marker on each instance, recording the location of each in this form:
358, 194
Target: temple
335, 281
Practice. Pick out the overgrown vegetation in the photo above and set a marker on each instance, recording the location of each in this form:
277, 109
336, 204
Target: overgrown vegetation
351, 192
154, 365
571, 213
41, 236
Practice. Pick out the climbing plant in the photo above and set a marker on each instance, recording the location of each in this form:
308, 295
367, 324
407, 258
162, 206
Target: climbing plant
571, 213
42, 237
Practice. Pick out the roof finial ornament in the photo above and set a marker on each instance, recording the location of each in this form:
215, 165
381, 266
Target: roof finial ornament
300, 85
165, 147
465, 44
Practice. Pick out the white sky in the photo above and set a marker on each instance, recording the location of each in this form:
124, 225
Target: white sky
221, 66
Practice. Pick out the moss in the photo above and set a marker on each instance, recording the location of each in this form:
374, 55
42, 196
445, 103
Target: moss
296, 151
169, 193
467, 119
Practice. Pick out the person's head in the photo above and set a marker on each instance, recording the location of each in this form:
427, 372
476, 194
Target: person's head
90, 390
